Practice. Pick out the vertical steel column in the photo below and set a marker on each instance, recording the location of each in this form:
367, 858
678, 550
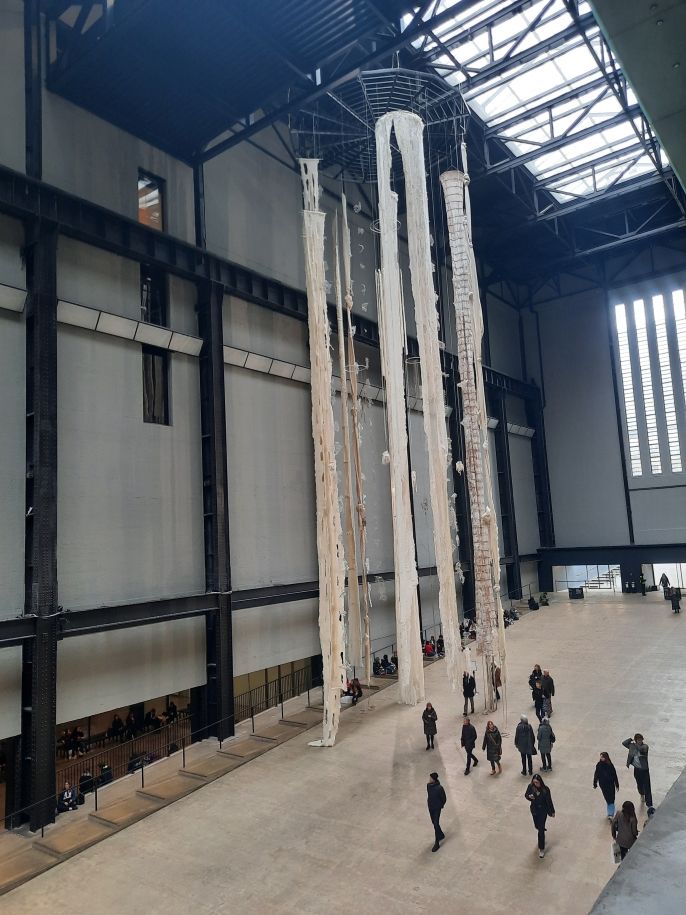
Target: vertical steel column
539, 455
462, 506
505, 491
40, 656
219, 693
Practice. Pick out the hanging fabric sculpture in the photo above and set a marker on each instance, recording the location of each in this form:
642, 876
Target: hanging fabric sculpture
329, 535
356, 445
393, 347
409, 135
353, 619
490, 630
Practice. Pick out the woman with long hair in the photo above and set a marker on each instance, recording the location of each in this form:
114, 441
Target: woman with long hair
625, 828
606, 776
429, 717
493, 745
541, 804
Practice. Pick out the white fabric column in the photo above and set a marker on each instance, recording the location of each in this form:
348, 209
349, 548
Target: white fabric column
490, 629
409, 133
329, 535
354, 621
393, 346
360, 506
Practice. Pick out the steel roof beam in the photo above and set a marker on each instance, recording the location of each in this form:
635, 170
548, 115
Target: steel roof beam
565, 140
527, 114
389, 48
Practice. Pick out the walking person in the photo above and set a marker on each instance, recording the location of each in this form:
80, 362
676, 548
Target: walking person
536, 674
537, 696
548, 687
468, 741
429, 717
675, 599
541, 804
546, 739
625, 828
638, 758
493, 745
606, 776
468, 690
525, 741
664, 582
497, 682
435, 799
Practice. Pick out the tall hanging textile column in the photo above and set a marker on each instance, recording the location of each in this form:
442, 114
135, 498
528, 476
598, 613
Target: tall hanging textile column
409, 134
393, 347
329, 535
356, 444
354, 620
490, 631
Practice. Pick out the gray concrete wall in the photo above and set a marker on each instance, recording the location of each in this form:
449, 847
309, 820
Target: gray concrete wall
12, 462
10, 691
526, 514
107, 670
12, 84
584, 457
503, 336
129, 493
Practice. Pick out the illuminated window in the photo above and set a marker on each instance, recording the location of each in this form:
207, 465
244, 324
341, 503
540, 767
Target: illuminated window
647, 386
150, 200
628, 387
680, 321
667, 387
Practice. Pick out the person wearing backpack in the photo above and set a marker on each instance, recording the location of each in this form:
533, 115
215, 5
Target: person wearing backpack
435, 799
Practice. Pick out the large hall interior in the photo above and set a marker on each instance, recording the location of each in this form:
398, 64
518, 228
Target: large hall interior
342, 456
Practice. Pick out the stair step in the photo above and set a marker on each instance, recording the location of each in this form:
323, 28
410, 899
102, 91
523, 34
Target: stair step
170, 789
246, 748
128, 811
19, 867
214, 767
69, 840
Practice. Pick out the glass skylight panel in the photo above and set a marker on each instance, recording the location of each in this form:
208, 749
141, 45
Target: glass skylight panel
628, 389
667, 388
647, 386
532, 83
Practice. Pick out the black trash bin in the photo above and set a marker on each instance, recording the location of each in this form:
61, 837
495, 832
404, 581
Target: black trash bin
576, 593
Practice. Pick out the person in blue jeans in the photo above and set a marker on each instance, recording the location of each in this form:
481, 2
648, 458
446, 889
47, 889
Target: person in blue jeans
605, 776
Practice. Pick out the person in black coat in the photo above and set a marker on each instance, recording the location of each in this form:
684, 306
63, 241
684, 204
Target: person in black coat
468, 741
537, 696
468, 690
525, 741
535, 674
435, 799
605, 775
541, 804
429, 717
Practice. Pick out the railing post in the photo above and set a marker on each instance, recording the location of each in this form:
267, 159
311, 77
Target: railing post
183, 751
143, 772
95, 782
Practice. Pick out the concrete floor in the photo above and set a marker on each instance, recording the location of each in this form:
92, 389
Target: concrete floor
304, 830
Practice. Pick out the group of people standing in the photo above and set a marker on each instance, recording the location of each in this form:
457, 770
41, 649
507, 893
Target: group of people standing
624, 823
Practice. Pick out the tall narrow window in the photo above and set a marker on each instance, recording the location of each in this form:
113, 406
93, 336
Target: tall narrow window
647, 386
680, 321
628, 388
667, 387
150, 200
155, 385
153, 295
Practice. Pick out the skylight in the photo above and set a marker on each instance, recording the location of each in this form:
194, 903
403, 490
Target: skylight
541, 90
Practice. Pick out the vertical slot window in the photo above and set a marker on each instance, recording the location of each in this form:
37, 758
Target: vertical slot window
667, 386
628, 390
647, 386
155, 385
680, 322
150, 200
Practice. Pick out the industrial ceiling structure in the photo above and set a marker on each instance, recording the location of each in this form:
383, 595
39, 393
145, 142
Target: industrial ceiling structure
565, 163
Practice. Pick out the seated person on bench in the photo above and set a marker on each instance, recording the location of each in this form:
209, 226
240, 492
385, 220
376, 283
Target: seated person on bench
533, 603
68, 799
356, 690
